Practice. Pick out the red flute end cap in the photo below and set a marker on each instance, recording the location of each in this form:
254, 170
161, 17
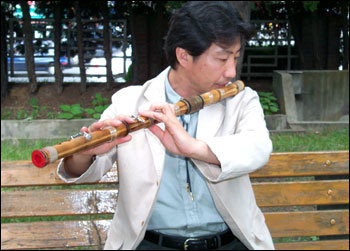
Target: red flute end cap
38, 159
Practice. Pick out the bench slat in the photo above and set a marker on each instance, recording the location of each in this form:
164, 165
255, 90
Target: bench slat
54, 234
301, 193
86, 233
103, 201
23, 173
314, 245
305, 164
309, 223
57, 202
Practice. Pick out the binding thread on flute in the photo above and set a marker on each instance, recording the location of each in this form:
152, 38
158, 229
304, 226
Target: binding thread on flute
194, 103
50, 154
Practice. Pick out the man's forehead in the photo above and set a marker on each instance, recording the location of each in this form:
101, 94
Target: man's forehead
234, 49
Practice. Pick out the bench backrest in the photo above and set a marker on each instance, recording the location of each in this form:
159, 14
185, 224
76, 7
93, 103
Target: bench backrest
290, 189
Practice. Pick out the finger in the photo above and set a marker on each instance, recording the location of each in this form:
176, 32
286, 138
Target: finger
96, 126
125, 118
162, 107
153, 115
125, 139
84, 129
117, 121
156, 130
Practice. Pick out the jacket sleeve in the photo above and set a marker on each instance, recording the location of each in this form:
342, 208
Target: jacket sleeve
102, 163
245, 150
94, 173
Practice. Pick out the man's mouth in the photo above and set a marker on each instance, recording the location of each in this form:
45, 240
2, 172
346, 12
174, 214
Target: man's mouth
221, 85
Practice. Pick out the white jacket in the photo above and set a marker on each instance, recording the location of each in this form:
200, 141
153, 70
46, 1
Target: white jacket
235, 131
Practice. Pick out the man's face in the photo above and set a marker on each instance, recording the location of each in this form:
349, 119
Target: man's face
214, 68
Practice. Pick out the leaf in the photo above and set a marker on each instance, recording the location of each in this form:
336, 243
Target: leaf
75, 105
99, 108
33, 101
262, 94
76, 109
65, 108
264, 100
96, 116
273, 109
89, 111
266, 107
98, 96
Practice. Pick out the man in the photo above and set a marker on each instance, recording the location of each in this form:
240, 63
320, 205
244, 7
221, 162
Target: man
184, 184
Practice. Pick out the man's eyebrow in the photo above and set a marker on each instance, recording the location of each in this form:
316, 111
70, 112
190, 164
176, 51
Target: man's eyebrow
229, 52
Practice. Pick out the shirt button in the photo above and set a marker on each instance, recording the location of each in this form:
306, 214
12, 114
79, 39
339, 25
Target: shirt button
142, 223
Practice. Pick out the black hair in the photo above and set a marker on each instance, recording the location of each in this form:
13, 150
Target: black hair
198, 24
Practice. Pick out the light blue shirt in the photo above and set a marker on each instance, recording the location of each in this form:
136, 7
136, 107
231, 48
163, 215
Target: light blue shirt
175, 213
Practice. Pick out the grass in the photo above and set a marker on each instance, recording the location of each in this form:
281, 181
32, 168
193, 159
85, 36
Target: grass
22, 149
327, 140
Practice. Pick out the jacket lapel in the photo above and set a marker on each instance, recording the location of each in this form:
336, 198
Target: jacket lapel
154, 93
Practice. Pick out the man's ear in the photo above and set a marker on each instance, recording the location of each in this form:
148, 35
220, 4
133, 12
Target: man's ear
183, 57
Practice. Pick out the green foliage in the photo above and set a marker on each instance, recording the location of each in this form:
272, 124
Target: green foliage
99, 100
268, 102
77, 112
128, 74
310, 5
6, 113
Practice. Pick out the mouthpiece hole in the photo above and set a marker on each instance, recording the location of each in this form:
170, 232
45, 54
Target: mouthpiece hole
38, 159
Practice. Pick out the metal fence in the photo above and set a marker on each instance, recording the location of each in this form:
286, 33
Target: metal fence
273, 47
44, 43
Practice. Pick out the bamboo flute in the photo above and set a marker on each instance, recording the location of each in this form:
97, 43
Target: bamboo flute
83, 141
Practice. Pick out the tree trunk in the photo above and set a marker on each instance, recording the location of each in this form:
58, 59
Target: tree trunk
57, 40
148, 58
157, 60
4, 71
28, 43
295, 25
107, 44
244, 9
139, 36
333, 43
80, 48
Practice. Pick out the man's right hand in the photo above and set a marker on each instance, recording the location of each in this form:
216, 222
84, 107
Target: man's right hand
78, 163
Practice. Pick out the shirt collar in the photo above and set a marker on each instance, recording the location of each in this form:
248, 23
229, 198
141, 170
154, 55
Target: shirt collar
171, 95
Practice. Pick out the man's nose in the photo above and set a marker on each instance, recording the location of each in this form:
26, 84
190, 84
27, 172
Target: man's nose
230, 71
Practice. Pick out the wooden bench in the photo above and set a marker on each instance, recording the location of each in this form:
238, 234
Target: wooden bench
286, 190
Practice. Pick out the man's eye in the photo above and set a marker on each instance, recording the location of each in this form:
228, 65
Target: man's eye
223, 59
